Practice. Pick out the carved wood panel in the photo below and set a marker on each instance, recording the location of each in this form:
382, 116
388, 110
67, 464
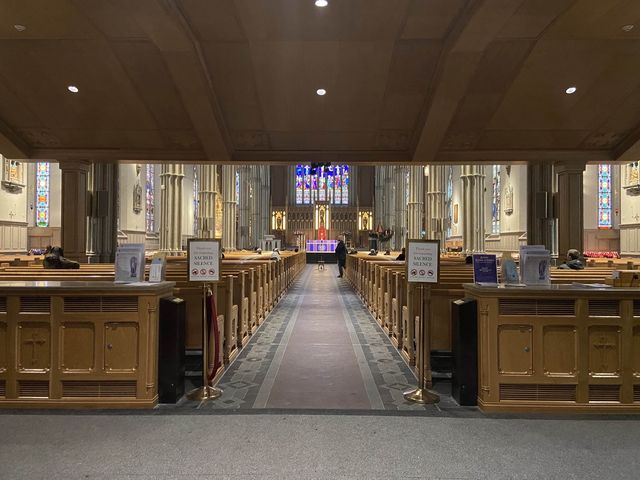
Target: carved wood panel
78, 347
636, 351
515, 349
4, 347
559, 350
121, 347
34, 347
604, 350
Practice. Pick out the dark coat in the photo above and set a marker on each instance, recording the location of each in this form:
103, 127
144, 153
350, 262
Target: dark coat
341, 251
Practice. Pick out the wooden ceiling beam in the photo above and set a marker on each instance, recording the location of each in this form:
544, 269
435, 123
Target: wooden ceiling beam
167, 28
460, 60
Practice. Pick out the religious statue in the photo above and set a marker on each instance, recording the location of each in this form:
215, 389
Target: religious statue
278, 222
508, 200
133, 266
137, 198
322, 217
365, 221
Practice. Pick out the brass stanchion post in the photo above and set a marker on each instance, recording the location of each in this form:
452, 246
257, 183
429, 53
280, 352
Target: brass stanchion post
206, 392
421, 394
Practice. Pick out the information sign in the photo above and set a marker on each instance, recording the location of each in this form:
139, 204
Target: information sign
129, 265
485, 268
203, 260
423, 261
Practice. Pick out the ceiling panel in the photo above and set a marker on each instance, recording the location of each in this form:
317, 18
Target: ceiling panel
213, 20
431, 19
44, 19
296, 20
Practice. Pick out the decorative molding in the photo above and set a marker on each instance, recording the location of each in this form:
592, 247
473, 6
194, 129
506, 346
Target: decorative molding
251, 140
181, 139
461, 141
40, 137
13, 175
392, 140
630, 239
603, 139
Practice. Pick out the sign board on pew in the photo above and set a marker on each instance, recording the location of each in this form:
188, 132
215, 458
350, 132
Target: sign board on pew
203, 258
423, 261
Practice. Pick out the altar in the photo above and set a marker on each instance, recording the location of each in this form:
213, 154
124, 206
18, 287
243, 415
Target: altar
321, 246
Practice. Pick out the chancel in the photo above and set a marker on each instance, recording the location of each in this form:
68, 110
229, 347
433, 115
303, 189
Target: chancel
271, 137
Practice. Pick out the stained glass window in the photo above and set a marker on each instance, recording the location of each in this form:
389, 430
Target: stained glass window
42, 194
237, 187
604, 196
328, 183
495, 201
149, 198
196, 202
449, 199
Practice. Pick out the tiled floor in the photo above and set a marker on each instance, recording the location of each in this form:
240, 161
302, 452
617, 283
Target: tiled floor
319, 349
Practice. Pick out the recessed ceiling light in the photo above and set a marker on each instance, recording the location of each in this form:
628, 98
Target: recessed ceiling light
321, 3
20, 28
73, 89
570, 90
628, 28
321, 91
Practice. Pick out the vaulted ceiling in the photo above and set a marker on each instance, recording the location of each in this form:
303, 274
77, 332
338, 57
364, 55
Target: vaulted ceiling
236, 80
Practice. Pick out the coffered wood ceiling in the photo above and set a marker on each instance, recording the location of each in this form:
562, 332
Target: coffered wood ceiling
235, 80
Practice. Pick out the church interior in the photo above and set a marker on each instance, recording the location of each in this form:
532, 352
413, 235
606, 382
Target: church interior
319, 238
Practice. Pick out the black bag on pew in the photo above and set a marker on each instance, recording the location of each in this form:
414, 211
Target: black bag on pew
55, 259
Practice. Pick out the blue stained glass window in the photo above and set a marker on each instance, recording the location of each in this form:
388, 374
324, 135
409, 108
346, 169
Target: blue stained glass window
327, 184
604, 197
449, 200
196, 201
42, 194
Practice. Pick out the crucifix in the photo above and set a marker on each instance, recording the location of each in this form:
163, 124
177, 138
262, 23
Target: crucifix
11, 214
603, 347
34, 341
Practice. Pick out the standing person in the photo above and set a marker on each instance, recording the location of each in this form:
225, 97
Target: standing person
341, 254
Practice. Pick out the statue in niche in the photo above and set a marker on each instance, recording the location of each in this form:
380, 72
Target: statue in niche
137, 198
508, 200
365, 221
278, 221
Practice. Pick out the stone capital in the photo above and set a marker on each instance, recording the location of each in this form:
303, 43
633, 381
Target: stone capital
570, 168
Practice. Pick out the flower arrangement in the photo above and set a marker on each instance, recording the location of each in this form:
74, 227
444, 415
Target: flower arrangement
592, 254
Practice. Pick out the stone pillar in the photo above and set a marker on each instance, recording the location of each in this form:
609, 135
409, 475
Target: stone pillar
244, 208
229, 198
473, 207
415, 210
102, 222
435, 209
541, 224
74, 209
171, 212
254, 209
378, 209
207, 189
264, 183
400, 213
570, 207
389, 198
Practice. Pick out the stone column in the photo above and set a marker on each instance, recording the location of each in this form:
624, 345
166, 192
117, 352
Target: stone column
570, 207
435, 209
255, 192
244, 208
541, 224
102, 222
415, 210
264, 208
400, 214
378, 209
229, 198
389, 198
206, 201
171, 212
473, 207
74, 209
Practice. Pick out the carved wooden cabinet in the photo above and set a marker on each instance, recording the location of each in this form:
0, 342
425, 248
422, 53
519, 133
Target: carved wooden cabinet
558, 348
83, 344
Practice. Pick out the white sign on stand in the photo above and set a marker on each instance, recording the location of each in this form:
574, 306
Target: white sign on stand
204, 260
129, 264
423, 261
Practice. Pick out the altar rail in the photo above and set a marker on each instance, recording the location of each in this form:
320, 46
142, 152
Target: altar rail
381, 283
249, 287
